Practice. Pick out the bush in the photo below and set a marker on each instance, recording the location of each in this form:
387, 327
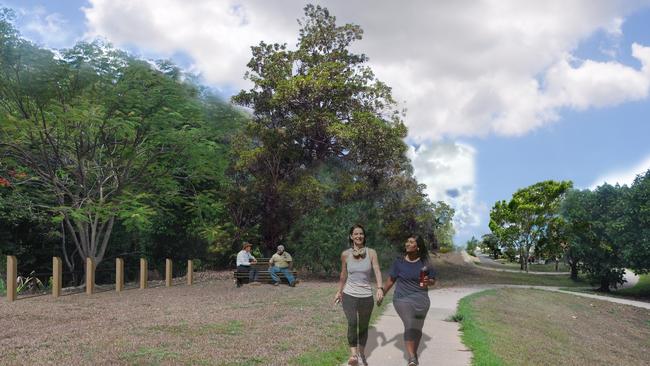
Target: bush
317, 240
3, 287
444, 250
472, 244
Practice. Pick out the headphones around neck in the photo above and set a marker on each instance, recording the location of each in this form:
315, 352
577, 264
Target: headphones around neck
358, 252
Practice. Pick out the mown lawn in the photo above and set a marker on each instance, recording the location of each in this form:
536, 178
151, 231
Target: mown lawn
641, 290
210, 323
453, 271
534, 327
549, 267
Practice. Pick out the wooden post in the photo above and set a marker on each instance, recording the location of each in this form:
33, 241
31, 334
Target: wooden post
57, 276
190, 272
90, 276
143, 273
119, 274
12, 274
168, 272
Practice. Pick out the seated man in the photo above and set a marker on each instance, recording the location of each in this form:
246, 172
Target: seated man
281, 262
244, 260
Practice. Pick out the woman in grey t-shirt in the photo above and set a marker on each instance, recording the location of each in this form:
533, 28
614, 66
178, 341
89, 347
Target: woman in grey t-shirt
411, 299
355, 291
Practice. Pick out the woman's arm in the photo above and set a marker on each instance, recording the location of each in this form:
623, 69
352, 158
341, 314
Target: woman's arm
375, 266
390, 281
342, 278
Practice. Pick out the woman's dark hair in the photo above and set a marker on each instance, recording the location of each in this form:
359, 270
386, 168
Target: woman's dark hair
423, 252
352, 229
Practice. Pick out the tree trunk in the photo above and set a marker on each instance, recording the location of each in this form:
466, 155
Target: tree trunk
604, 285
574, 271
91, 238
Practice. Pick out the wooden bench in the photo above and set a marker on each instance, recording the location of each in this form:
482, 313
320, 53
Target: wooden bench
263, 274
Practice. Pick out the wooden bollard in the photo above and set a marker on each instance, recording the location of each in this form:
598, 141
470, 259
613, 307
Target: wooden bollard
119, 274
143, 273
12, 274
190, 272
90, 276
57, 276
168, 272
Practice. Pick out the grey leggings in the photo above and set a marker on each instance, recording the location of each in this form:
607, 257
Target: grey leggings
357, 310
412, 315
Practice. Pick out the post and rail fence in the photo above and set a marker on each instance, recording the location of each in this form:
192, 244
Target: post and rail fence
91, 267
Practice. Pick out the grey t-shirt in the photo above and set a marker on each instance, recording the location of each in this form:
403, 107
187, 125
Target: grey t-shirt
407, 277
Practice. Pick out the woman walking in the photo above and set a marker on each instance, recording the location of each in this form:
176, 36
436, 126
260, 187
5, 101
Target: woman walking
355, 291
413, 274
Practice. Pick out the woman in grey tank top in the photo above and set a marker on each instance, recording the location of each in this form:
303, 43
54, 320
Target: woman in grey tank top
355, 291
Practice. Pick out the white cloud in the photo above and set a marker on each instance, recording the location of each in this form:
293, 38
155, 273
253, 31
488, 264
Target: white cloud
463, 68
598, 84
449, 172
623, 176
216, 35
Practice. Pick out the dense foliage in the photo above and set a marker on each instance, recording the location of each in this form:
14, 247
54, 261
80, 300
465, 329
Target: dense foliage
600, 232
325, 148
103, 154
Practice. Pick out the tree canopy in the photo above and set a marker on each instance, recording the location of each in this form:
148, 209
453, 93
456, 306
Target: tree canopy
105, 154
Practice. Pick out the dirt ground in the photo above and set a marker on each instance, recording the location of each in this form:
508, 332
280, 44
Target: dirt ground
210, 323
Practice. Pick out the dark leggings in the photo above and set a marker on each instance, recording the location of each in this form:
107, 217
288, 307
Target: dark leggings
357, 311
412, 316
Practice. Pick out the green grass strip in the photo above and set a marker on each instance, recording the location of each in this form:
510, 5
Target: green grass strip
641, 289
474, 337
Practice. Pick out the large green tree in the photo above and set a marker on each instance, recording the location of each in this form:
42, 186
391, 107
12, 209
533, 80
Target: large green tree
636, 250
596, 230
318, 104
89, 126
524, 220
490, 244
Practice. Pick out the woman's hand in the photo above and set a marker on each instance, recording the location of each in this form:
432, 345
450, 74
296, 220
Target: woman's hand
429, 281
379, 295
338, 297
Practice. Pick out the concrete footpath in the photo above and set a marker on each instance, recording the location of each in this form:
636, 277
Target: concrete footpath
440, 344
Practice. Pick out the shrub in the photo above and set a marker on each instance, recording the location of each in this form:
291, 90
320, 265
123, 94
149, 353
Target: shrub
472, 244
317, 240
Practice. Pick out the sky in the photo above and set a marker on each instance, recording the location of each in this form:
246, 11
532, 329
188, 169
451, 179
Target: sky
499, 94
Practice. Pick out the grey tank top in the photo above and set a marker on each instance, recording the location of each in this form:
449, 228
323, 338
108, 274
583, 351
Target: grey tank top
358, 282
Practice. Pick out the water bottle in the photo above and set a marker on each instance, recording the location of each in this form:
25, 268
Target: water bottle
423, 273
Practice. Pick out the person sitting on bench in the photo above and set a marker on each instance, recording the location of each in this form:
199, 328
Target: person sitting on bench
281, 262
244, 260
